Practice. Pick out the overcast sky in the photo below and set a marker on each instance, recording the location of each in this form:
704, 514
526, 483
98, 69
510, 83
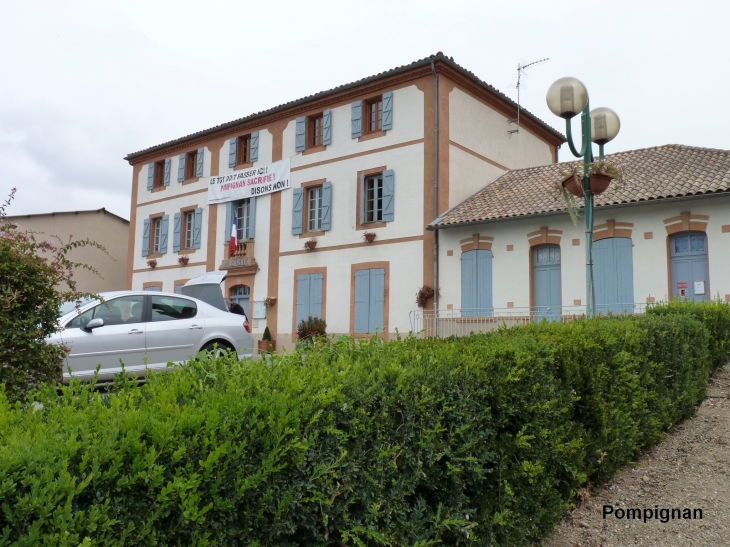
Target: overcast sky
83, 83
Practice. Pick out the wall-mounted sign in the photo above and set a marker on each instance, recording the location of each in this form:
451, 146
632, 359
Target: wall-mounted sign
682, 285
256, 181
259, 310
699, 287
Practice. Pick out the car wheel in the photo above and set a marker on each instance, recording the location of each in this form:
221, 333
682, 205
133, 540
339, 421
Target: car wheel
217, 349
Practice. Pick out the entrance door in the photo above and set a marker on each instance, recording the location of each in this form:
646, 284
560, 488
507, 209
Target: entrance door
476, 283
241, 294
546, 287
613, 275
688, 252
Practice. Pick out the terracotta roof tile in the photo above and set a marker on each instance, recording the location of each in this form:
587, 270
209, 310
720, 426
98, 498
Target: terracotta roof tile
652, 173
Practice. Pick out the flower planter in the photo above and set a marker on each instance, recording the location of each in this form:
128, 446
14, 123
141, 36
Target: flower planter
270, 301
369, 237
311, 244
152, 263
599, 184
183, 260
267, 346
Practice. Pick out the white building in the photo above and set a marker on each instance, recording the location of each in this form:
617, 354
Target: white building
511, 249
387, 154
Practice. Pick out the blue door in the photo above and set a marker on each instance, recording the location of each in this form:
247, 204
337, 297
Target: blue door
241, 294
309, 296
690, 278
613, 275
369, 300
546, 269
476, 283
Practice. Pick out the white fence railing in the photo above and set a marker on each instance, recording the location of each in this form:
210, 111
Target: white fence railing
445, 323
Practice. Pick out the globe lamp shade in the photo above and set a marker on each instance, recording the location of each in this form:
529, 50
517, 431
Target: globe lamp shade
605, 125
567, 97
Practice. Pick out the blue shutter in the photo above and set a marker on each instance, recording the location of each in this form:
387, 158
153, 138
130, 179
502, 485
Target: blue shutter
181, 167
362, 301
168, 162
177, 222
197, 227
232, 151
299, 142
388, 195
163, 234
251, 217
150, 176
624, 274
326, 206
254, 155
230, 206
201, 156
484, 282
302, 298
356, 119
387, 110
604, 278
296, 217
468, 283
315, 295
146, 237
377, 300
327, 127
362, 199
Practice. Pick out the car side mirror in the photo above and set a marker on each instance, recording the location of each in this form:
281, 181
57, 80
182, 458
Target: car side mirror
93, 324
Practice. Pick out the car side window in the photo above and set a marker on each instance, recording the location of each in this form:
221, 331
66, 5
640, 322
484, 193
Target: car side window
120, 311
170, 308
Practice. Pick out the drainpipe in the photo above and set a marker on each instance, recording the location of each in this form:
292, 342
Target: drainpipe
435, 193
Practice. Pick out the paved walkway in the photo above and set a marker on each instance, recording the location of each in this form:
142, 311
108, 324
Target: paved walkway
689, 469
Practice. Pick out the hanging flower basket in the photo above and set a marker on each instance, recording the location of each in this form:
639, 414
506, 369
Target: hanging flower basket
310, 244
423, 294
574, 185
183, 260
599, 183
152, 263
369, 237
270, 301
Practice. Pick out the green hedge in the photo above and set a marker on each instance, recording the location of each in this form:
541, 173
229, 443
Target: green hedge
480, 440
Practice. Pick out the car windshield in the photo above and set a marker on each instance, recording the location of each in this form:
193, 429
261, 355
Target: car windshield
71, 305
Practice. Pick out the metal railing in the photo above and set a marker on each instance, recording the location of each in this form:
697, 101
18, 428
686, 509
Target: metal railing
445, 323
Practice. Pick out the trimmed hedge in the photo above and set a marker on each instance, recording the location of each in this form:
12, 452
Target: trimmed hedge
480, 440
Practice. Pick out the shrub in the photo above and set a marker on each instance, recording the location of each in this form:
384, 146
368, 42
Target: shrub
479, 440
267, 335
37, 277
311, 327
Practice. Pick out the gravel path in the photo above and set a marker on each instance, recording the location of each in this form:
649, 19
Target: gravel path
689, 469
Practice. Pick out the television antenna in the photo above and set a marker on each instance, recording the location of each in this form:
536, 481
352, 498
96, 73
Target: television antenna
520, 70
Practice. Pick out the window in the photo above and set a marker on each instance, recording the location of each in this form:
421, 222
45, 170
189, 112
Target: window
191, 165
374, 198
369, 300
120, 311
314, 209
156, 232
374, 115
476, 283
309, 292
159, 176
243, 150
189, 225
170, 308
243, 219
315, 130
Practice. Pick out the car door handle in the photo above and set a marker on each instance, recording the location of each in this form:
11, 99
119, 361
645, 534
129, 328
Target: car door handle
196, 327
136, 331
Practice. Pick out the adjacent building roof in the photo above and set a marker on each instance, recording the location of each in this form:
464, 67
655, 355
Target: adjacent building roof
439, 57
652, 174
102, 210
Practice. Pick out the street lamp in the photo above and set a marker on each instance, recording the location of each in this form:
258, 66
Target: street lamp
565, 98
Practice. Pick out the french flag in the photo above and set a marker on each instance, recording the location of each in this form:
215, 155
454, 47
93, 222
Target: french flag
234, 243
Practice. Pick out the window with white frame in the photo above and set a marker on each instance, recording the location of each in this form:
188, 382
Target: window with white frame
374, 198
189, 224
314, 209
243, 219
157, 230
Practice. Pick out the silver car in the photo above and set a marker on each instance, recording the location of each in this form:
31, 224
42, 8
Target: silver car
134, 326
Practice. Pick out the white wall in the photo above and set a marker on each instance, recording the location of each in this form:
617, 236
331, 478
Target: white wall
511, 268
468, 174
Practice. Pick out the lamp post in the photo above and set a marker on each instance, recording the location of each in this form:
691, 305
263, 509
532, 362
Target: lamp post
566, 98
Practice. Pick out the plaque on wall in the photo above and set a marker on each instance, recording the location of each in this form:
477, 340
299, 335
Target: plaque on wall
259, 310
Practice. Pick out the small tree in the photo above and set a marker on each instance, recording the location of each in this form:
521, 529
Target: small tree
267, 335
37, 278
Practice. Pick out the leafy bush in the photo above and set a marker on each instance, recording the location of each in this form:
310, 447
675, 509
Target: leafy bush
37, 277
479, 440
311, 327
267, 335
